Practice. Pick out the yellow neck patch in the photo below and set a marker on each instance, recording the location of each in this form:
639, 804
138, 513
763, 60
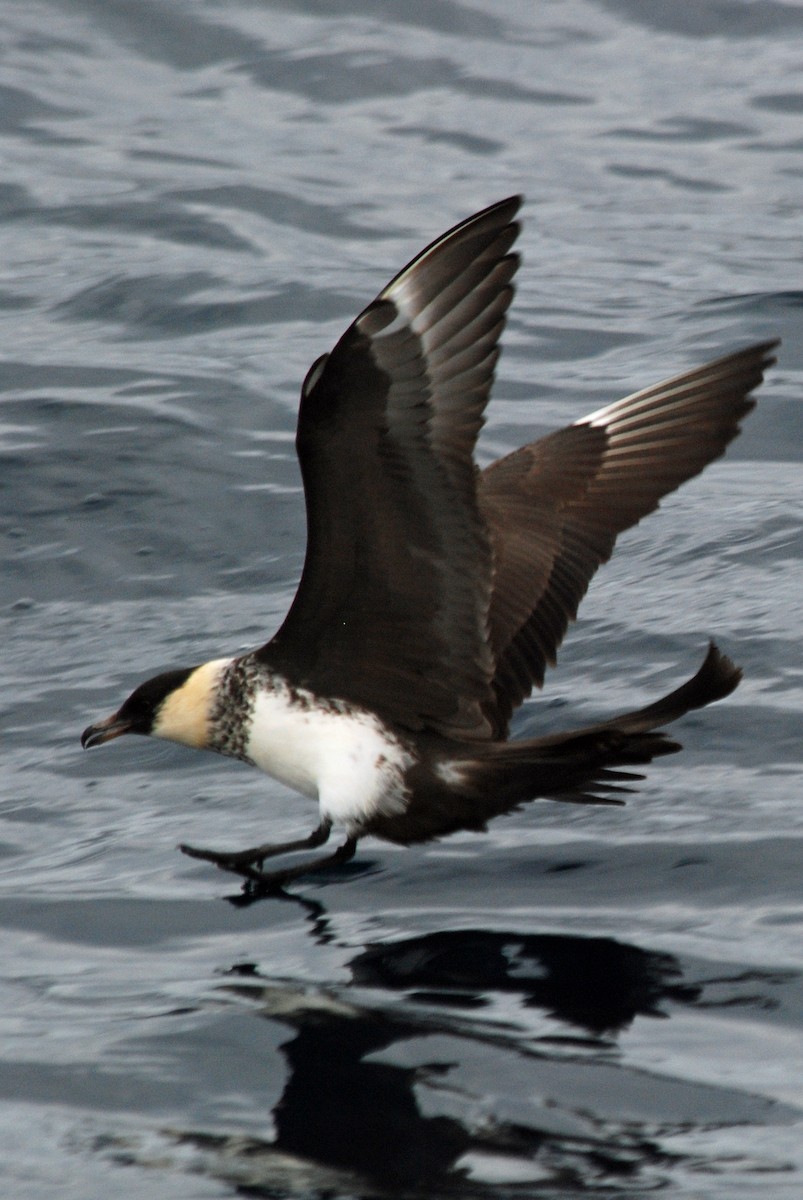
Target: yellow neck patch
184, 715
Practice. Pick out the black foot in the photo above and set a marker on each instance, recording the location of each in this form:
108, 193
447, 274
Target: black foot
260, 883
237, 860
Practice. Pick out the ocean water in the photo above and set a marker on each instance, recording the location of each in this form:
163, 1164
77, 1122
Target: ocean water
195, 200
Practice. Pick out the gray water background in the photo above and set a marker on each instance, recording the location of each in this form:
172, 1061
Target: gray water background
195, 199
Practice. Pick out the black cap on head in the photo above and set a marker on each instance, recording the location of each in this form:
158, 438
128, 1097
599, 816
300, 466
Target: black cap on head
145, 701
137, 713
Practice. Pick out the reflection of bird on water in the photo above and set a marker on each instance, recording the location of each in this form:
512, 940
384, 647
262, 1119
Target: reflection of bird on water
596, 984
348, 1107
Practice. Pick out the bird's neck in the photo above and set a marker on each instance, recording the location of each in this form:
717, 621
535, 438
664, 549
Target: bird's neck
187, 714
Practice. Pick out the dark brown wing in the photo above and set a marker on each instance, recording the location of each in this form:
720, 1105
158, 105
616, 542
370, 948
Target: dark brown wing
555, 507
392, 607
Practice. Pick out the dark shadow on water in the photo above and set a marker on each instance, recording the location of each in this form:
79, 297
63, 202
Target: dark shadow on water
595, 984
316, 913
350, 1121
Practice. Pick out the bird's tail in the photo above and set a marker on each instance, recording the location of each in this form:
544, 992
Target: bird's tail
585, 766
592, 765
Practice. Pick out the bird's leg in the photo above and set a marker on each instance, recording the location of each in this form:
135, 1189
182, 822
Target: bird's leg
234, 860
269, 881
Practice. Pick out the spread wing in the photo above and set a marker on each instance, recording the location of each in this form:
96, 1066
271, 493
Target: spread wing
392, 607
554, 508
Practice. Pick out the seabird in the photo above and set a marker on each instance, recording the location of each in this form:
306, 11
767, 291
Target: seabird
434, 595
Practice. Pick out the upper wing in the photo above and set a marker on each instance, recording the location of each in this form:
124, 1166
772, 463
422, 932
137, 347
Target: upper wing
555, 507
392, 607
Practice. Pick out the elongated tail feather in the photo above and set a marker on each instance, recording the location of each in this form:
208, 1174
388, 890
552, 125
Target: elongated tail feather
592, 765
582, 766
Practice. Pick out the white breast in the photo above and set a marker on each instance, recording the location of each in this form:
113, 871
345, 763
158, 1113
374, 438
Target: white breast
339, 755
